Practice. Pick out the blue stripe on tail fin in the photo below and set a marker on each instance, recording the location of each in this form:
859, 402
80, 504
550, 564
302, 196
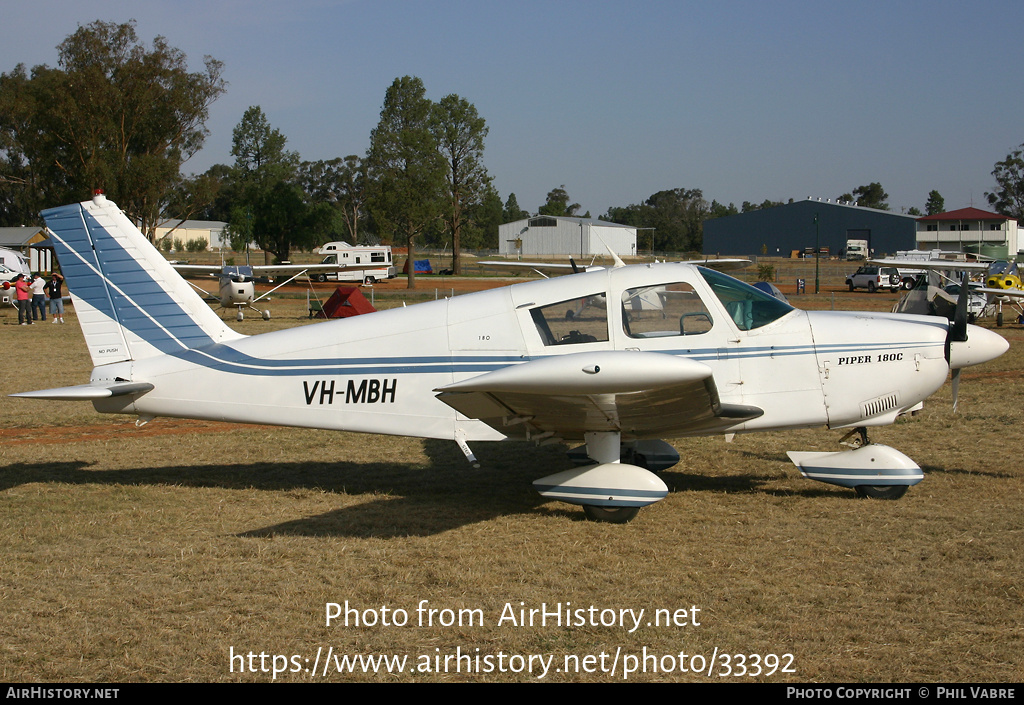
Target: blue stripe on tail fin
129, 300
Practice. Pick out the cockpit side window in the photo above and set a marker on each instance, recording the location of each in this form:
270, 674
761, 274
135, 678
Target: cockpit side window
572, 322
664, 310
749, 308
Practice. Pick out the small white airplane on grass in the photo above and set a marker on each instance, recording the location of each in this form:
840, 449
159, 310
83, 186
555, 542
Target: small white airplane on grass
237, 283
721, 357
938, 294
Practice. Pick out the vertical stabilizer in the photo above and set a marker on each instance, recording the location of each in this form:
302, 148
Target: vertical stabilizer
129, 300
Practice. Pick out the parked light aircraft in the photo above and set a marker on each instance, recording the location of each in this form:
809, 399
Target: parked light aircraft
237, 283
938, 292
506, 363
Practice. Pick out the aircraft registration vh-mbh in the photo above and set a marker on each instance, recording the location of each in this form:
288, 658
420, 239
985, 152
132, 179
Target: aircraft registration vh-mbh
713, 356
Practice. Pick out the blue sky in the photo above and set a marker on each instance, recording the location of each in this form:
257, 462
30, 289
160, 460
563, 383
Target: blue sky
616, 100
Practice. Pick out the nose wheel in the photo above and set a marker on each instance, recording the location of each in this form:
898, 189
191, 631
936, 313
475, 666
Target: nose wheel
881, 491
610, 515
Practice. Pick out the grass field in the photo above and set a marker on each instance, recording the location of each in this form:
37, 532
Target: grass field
155, 553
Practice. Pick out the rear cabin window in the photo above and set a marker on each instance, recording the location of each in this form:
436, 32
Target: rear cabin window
663, 311
573, 322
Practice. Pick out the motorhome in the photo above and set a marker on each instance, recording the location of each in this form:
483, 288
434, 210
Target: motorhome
12, 263
346, 254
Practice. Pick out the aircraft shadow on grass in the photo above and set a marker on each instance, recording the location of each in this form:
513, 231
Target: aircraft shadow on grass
405, 500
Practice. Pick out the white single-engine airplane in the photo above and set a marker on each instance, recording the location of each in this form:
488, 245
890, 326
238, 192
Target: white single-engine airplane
1001, 285
507, 363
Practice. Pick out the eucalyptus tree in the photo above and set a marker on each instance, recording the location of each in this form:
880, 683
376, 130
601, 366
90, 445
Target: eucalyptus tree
114, 115
870, 196
340, 183
460, 132
269, 207
673, 219
1008, 198
557, 203
405, 169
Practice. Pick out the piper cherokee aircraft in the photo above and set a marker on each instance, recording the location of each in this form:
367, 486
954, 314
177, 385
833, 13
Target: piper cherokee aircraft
506, 363
237, 283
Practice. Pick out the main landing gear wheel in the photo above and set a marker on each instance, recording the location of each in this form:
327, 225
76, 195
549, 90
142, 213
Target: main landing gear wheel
881, 491
610, 515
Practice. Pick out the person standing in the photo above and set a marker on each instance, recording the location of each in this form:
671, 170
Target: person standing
38, 287
24, 296
53, 291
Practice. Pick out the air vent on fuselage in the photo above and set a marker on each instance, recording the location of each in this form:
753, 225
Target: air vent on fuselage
879, 405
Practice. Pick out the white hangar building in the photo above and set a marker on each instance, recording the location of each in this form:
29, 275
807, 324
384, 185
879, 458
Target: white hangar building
555, 235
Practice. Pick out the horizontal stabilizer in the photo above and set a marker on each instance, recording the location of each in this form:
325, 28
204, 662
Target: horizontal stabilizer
88, 391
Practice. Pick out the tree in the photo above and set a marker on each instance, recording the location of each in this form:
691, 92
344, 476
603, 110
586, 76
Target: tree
268, 207
487, 218
674, 218
114, 115
404, 166
460, 132
935, 204
1008, 199
198, 196
870, 196
558, 204
720, 210
678, 216
512, 212
341, 184
259, 150
284, 220
748, 207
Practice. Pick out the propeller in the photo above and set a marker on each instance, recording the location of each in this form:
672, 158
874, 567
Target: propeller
957, 333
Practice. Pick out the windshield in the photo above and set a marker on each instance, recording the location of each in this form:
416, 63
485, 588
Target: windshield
748, 307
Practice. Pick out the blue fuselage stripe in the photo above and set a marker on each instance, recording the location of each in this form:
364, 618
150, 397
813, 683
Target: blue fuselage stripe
226, 359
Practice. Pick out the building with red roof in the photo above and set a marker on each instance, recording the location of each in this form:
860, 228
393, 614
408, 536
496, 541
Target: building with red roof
969, 230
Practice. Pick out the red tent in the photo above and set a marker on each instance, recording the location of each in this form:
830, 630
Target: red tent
344, 302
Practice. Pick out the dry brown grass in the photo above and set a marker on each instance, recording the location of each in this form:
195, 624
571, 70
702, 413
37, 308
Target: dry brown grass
147, 554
